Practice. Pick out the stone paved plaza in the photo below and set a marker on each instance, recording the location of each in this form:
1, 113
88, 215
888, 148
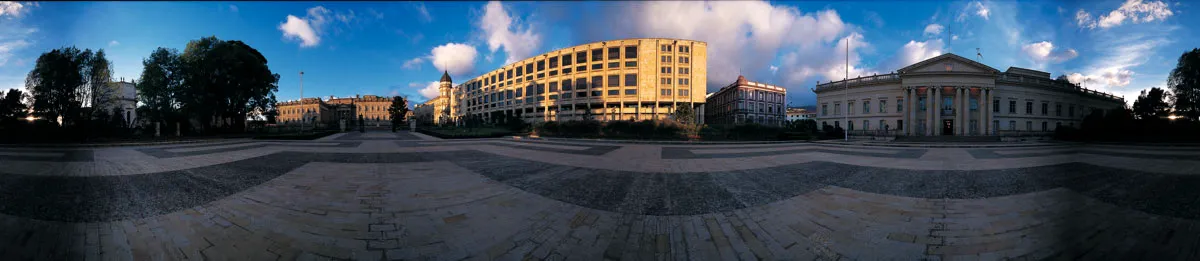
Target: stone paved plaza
407, 196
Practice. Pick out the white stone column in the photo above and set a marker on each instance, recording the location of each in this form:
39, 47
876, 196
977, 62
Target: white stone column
982, 110
937, 112
963, 111
905, 113
929, 110
989, 114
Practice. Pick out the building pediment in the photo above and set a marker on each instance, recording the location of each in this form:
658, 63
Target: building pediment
948, 62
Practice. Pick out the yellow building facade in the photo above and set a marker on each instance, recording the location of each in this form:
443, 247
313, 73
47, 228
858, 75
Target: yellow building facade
630, 79
372, 108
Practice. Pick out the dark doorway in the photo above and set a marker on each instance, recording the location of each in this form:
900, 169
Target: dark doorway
947, 127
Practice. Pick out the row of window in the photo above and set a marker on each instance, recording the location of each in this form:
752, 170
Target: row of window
614, 53
668, 70
1012, 108
947, 104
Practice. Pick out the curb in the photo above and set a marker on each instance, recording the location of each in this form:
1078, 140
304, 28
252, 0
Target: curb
99, 145
663, 141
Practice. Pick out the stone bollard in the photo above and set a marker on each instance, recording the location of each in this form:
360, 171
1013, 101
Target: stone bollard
342, 123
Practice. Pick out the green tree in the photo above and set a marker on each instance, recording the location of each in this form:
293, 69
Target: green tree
397, 110
1152, 104
99, 92
12, 107
55, 83
1184, 82
161, 78
224, 80
684, 114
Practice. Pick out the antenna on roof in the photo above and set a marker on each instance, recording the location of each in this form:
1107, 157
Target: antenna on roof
978, 55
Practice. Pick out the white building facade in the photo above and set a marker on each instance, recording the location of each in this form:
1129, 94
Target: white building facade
952, 95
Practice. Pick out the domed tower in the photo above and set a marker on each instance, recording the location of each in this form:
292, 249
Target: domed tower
444, 84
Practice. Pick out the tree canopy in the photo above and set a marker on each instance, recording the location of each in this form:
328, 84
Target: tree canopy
1184, 82
64, 80
1152, 104
12, 107
397, 110
161, 78
224, 80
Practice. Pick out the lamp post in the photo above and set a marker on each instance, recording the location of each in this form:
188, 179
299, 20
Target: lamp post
302, 101
846, 82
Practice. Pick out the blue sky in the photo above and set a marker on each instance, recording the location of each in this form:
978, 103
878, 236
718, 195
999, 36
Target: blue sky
400, 48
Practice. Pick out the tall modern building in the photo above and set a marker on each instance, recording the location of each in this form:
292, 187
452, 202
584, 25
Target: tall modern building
952, 95
631, 79
744, 102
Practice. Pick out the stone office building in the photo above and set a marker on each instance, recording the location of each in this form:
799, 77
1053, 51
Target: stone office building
373, 110
629, 79
952, 95
743, 102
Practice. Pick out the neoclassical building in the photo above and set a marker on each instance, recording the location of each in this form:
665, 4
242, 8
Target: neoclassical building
636, 79
372, 108
952, 95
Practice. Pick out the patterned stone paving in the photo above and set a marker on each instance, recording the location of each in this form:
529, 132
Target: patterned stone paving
407, 196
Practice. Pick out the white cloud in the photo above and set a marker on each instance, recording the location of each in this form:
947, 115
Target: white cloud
502, 31
457, 58
977, 8
913, 52
7, 48
233, 8
297, 28
310, 28
742, 36
1045, 52
933, 29
12, 9
429, 91
1135, 11
1111, 78
954, 37
375, 13
423, 12
114, 43
774, 69
413, 63
829, 64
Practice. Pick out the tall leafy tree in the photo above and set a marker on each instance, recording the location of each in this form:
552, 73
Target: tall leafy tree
397, 110
54, 84
1152, 104
224, 80
1184, 82
99, 92
12, 108
161, 78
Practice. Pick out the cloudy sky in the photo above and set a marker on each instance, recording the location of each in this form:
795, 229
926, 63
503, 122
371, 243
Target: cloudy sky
400, 48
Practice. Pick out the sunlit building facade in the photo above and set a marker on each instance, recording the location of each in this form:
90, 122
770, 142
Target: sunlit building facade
743, 102
630, 79
952, 95
372, 108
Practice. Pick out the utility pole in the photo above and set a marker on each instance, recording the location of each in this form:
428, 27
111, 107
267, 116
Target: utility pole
305, 114
846, 82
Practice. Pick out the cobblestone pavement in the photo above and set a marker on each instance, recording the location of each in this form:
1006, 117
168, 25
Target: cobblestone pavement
408, 196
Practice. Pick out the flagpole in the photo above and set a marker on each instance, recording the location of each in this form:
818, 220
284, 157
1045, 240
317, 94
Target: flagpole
846, 82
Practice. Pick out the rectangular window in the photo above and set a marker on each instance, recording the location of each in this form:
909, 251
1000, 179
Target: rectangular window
683, 81
682, 92
684, 59
665, 59
665, 92
509, 94
631, 52
553, 62
882, 107
597, 55
1071, 110
921, 102
614, 80
566, 95
566, 85
1012, 125
684, 70
566, 70
866, 107
614, 65
541, 88
520, 71
541, 98
581, 94
866, 125
614, 53
1043, 126
566, 60
664, 70
1028, 125
1045, 109
597, 93
581, 57
529, 91
630, 91
553, 86
553, 97
614, 92
824, 109
631, 64
597, 81
996, 105
664, 81
1012, 107
1058, 109
541, 75
900, 105
581, 68
509, 74
541, 65
529, 68
1028, 107
631, 79
974, 105
598, 66
552, 73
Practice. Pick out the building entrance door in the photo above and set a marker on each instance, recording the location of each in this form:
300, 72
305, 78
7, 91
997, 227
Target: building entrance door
947, 127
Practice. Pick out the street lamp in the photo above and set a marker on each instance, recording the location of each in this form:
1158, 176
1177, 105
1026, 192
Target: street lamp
302, 101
